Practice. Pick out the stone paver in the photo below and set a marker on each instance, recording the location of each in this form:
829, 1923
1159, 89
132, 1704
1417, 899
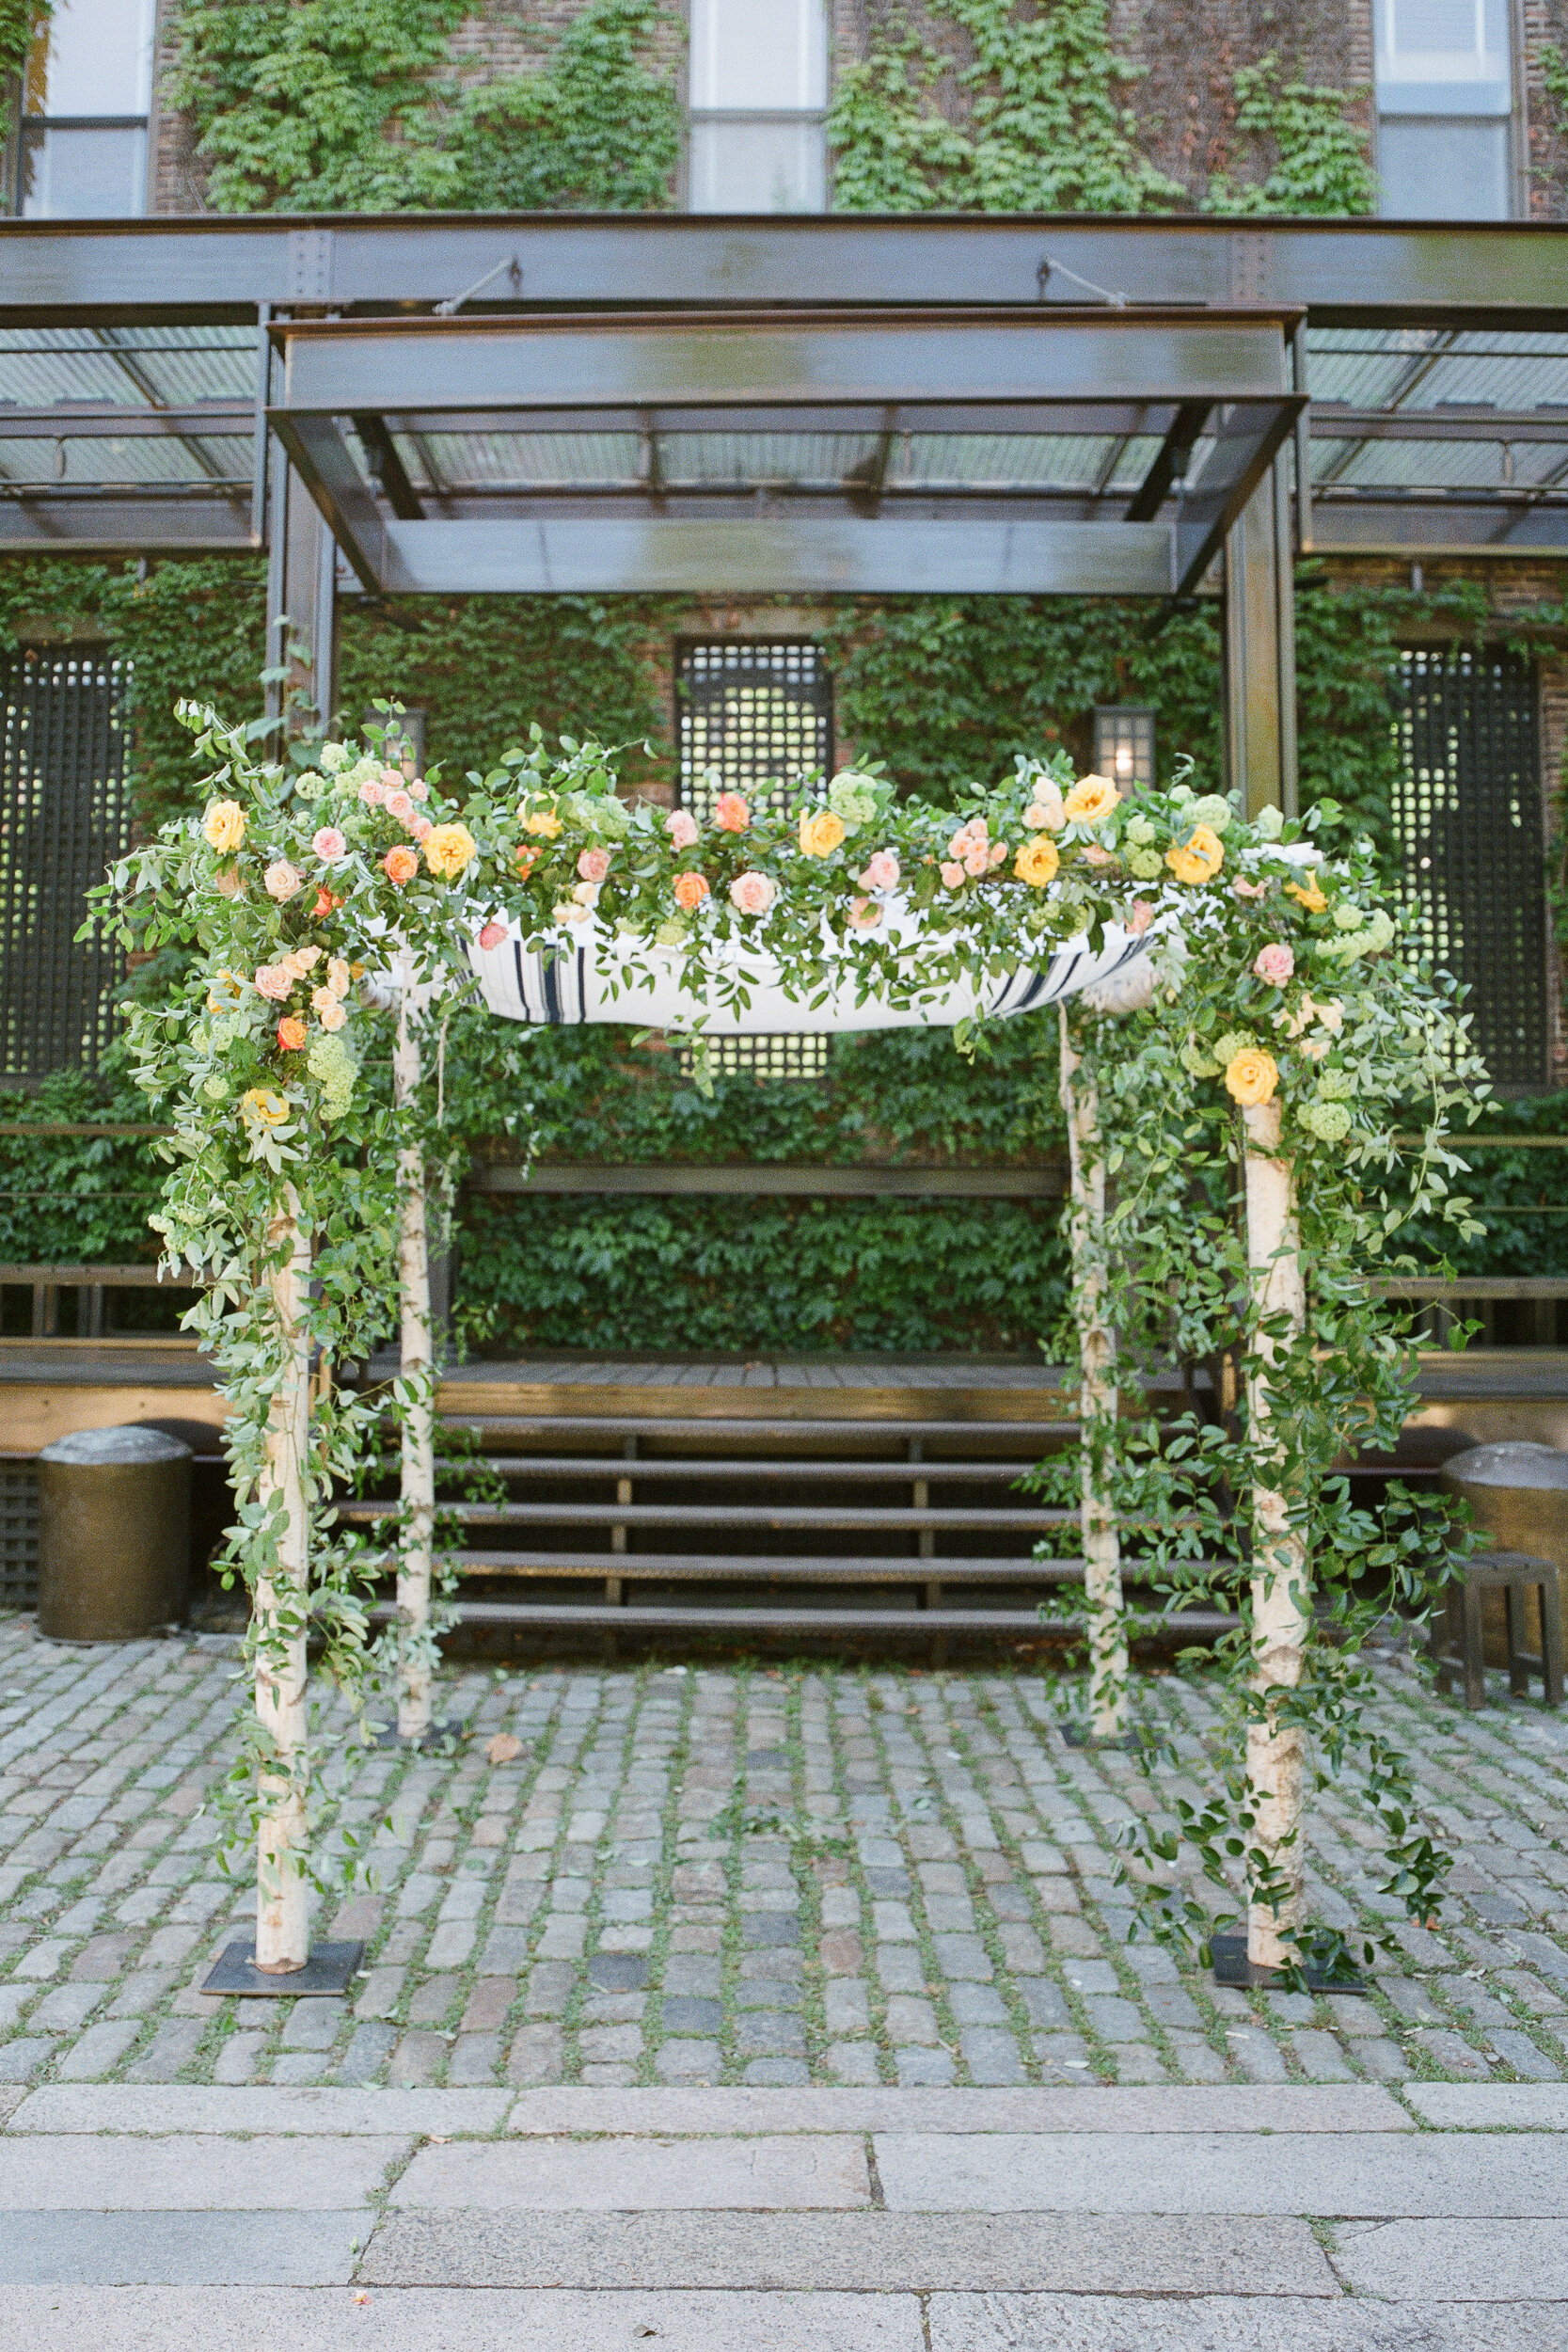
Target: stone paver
190, 2174
713, 1878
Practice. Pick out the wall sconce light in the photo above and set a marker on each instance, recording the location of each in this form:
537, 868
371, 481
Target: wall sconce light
1124, 745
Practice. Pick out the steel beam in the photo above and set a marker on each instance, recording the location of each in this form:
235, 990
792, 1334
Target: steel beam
117, 420
114, 522
1260, 650
779, 553
302, 608
218, 268
1440, 526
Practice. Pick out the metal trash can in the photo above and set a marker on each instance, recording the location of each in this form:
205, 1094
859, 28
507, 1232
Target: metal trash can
1518, 1491
114, 1534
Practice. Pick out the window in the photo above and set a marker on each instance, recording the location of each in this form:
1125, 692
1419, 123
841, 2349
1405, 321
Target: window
1445, 105
759, 97
86, 98
1469, 818
63, 817
754, 715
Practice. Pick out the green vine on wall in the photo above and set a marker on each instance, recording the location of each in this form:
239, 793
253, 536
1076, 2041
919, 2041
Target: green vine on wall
21, 22
1321, 161
354, 106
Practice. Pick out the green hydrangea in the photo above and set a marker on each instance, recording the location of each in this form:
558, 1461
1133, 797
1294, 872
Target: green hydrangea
311, 786
1371, 940
854, 798
1212, 809
334, 757
1328, 1122
670, 931
1336, 1085
1145, 865
215, 1090
1268, 823
1346, 917
1197, 1059
334, 1067
1224, 1049
1140, 832
596, 812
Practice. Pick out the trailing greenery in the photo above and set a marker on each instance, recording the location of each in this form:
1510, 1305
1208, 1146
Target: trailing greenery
354, 105
21, 22
1044, 129
1320, 163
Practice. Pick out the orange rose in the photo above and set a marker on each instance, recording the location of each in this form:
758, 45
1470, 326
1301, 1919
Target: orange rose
1037, 861
690, 890
400, 864
291, 1033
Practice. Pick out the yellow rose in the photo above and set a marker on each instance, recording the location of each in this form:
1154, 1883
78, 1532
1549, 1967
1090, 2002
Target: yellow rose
1312, 898
224, 826
1201, 858
1091, 798
820, 833
544, 824
1037, 861
1252, 1076
448, 849
265, 1108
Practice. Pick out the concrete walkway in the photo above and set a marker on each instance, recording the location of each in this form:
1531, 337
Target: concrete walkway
1353, 2218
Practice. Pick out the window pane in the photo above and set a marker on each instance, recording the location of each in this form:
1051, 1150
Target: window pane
758, 52
1435, 55
83, 175
1454, 170
758, 168
96, 58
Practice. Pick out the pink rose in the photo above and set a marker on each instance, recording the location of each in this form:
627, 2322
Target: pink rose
1249, 890
1140, 915
753, 893
373, 793
272, 981
421, 828
864, 914
391, 781
1095, 855
592, 864
1275, 965
492, 936
230, 880
328, 844
681, 826
952, 874
281, 879
880, 871
418, 789
398, 804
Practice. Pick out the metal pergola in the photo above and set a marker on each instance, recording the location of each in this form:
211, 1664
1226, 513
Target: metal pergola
735, 407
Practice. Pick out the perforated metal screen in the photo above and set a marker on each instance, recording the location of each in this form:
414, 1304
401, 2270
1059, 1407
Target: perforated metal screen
63, 817
1469, 816
752, 716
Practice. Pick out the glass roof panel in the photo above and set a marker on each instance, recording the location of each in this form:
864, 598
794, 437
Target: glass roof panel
726, 460
167, 365
109, 463
1437, 465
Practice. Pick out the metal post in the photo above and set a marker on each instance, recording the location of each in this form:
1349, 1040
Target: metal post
302, 606
1260, 650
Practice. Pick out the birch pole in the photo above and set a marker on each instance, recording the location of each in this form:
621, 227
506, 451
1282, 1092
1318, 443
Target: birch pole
415, 1555
1097, 1400
281, 1618
1281, 1593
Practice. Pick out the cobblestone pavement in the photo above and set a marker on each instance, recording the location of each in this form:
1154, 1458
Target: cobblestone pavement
695, 1876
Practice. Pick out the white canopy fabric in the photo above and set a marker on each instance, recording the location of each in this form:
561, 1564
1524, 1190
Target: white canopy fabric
587, 978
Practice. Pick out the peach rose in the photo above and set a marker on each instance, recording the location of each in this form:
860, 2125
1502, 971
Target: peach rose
224, 826
337, 977
291, 1033
418, 789
373, 792
880, 871
681, 826
400, 806
328, 844
492, 936
334, 1016
690, 890
1091, 798
400, 866
230, 880
1039, 861
1275, 965
820, 833
753, 893
952, 874
391, 781
325, 903
422, 829
448, 849
864, 914
321, 1000
731, 814
1140, 915
592, 864
1244, 889
1047, 813
1252, 1076
274, 981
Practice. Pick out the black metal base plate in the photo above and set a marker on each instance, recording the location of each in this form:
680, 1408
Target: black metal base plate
330, 1969
1232, 1966
433, 1738
1080, 1736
